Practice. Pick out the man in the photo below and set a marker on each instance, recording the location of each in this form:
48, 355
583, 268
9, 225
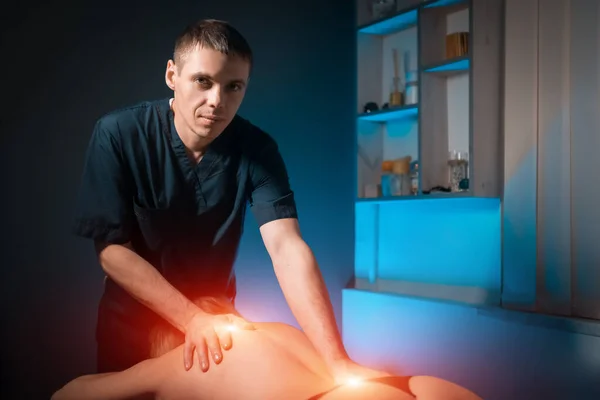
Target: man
163, 195
274, 361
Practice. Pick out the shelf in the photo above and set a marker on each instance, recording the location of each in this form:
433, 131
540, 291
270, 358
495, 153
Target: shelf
445, 3
458, 98
449, 67
390, 199
460, 295
380, 200
396, 23
571, 324
391, 114
438, 20
446, 195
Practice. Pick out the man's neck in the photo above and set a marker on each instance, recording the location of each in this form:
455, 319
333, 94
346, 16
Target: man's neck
195, 145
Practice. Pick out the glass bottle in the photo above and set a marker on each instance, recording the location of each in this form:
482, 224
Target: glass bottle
458, 169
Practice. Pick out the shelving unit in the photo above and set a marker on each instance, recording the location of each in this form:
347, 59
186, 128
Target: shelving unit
457, 108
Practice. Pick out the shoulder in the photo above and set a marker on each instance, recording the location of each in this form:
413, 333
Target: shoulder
277, 327
281, 331
253, 140
121, 122
137, 111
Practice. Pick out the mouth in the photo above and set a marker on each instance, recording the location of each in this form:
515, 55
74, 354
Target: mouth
211, 118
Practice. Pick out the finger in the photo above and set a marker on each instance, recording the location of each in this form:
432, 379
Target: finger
202, 353
188, 353
212, 341
225, 338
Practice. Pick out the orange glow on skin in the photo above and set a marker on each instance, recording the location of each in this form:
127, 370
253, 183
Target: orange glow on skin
353, 381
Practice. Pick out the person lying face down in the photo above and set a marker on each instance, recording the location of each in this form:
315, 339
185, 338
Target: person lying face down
272, 362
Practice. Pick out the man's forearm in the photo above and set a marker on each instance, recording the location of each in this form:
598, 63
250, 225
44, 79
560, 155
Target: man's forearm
142, 281
305, 291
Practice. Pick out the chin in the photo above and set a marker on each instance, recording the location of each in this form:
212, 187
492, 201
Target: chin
207, 133
204, 134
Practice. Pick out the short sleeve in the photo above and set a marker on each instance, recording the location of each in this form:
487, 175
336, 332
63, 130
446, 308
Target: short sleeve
271, 197
103, 209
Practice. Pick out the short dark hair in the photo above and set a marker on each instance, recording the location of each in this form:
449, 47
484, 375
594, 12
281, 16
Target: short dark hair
213, 34
164, 337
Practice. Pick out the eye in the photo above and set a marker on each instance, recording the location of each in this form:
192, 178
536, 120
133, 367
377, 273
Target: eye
235, 87
205, 83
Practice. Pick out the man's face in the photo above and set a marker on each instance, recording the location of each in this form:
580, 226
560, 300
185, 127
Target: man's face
209, 88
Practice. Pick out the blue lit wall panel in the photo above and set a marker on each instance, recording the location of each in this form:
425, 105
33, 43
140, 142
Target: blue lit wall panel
444, 241
365, 257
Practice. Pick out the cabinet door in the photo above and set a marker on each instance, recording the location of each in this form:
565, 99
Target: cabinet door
585, 160
551, 202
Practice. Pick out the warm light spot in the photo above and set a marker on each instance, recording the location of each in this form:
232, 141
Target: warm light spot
231, 328
353, 381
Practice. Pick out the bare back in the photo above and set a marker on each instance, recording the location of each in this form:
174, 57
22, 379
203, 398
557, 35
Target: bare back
275, 361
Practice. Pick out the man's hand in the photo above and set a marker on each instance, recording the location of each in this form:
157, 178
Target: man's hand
206, 334
347, 371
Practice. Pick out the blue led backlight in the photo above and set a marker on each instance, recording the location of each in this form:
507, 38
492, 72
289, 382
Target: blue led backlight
392, 24
390, 114
460, 65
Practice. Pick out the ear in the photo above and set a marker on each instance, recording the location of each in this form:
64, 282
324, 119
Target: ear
170, 74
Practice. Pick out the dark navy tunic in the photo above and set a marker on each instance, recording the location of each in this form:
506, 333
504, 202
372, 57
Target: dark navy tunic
186, 219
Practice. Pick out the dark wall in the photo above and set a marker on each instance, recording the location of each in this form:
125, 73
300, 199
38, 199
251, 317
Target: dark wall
65, 65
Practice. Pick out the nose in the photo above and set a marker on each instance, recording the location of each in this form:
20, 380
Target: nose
215, 97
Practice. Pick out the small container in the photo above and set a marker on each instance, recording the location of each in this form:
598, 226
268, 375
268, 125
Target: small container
457, 44
394, 174
414, 178
372, 190
395, 184
386, 178
411, 91
400, 171
396, 95
458, 170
